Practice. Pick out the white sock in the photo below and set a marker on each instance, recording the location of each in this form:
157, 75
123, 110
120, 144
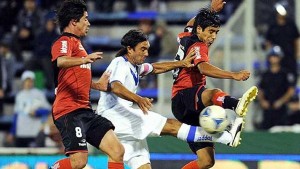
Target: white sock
224, 138
190, 133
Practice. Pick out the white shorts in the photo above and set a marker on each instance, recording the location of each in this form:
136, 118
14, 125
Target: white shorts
132, 128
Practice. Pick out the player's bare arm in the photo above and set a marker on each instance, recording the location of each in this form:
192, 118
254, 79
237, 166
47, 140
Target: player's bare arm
121, 91
216, 6
162, 67
67, 61
215, 72
102, 83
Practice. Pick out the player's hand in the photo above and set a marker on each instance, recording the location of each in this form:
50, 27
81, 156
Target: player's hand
217, 5
241, 75
93, 57
145, 104
188, 60
103, 81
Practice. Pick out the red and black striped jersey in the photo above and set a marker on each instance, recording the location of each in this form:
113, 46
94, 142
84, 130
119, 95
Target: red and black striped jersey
73, 83
189, 77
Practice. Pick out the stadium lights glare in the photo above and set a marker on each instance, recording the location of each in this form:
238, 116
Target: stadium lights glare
280, 9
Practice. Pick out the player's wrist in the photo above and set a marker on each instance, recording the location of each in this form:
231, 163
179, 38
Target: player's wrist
83, 60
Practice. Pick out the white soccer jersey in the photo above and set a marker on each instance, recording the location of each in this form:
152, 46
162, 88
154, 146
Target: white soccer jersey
126, 73
132, 126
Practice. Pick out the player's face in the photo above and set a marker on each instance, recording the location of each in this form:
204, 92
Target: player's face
83, 25
140, 52
208, 35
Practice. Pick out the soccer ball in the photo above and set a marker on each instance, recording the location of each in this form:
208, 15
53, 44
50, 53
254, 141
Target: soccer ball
213, 119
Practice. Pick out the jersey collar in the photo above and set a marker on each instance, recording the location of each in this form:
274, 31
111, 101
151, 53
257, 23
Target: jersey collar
70, 34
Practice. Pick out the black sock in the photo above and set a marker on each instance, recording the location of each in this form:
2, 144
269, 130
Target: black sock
230, 102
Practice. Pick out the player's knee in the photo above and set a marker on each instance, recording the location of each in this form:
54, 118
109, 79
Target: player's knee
79, 163
171, 127
117, 153
206, 163
78, 160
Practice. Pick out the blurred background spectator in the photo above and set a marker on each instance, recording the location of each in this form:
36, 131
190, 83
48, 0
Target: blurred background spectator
29, 23
294, 111
8, 8
31, 111
148, 27
276, 87
284, 33
40, 60
168, 42
7, 67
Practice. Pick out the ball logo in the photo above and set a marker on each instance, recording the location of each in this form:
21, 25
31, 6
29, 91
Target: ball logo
213, 119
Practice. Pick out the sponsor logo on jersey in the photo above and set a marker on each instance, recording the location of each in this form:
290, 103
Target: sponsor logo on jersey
82, 144
86, 66
205, 138
197, 52
64, 47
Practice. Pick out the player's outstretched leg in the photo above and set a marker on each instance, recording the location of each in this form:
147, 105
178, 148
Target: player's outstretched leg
242, 106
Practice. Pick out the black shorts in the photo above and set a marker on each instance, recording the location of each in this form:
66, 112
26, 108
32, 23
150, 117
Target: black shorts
82, 126
186, 107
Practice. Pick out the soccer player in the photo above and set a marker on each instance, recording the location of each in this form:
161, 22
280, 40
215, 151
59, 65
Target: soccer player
72, 112
189, 94
134, 125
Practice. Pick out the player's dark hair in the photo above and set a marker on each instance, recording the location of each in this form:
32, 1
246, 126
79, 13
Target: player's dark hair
70, 9
131, 39
206, 18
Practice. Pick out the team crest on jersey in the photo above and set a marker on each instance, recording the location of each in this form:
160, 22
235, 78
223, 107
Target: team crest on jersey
197, 52
64, 47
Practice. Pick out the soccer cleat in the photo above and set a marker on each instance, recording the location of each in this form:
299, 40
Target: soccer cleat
236, 130
242, 106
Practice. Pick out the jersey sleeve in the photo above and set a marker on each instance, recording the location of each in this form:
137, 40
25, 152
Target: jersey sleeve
61, 47
118, 71
201, 52
144, 69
